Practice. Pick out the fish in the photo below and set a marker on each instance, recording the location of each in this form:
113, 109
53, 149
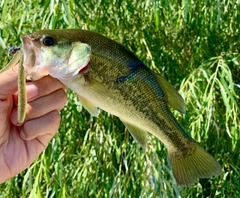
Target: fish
106, 75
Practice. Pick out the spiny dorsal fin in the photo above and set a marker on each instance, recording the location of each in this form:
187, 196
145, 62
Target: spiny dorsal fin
174, 99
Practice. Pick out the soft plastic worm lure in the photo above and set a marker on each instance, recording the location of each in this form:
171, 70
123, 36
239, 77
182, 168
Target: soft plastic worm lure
22, 96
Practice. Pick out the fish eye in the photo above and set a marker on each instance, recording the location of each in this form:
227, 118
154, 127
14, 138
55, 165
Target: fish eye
48, 41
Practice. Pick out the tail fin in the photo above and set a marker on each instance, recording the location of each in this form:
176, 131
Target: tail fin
197, 164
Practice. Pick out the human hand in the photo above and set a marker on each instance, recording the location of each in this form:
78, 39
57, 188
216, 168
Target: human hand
20, 144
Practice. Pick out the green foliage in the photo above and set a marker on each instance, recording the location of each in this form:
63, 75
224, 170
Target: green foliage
195, 45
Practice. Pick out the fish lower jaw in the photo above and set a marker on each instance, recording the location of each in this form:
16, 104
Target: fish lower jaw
67, 74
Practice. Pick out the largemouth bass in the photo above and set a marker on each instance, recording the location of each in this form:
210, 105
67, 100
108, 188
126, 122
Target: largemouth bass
106, 75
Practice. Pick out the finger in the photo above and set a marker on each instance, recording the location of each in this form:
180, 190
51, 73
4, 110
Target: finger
43, 87
8, 82
42, 106
40, 88
45, 125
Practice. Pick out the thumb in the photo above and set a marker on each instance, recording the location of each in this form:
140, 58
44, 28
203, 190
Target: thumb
8, 82
8, 86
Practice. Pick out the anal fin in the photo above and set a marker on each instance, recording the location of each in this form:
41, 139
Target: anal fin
138, 134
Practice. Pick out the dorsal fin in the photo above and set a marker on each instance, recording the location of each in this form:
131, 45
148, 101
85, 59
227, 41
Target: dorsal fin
174, 99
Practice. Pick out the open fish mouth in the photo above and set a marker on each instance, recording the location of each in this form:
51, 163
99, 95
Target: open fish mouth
32, 59
28, 51
57, 61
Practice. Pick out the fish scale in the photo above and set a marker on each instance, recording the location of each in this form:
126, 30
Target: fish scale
142, 77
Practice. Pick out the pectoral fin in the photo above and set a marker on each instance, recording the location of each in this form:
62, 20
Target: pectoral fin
174, 99
138, 134
93, 110
97, 87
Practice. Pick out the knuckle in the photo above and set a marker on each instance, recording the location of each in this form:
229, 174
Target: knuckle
47, 124
43, 84
54, 118
61, 97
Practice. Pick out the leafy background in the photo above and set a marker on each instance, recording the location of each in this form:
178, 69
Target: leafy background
193, 44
